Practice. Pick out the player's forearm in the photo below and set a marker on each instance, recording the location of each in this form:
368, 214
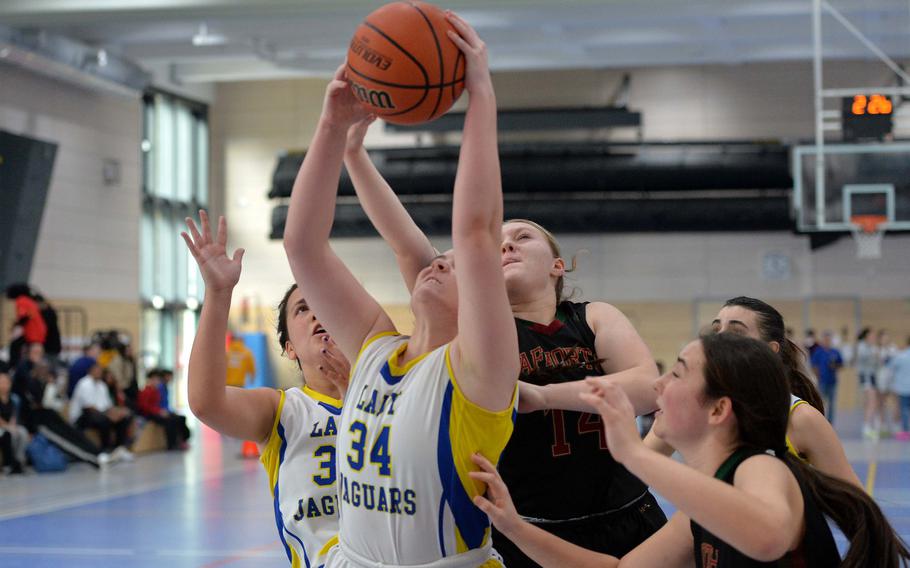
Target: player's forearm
477, 206
207, 372
734, 516
412, 248
312, 207
550, 551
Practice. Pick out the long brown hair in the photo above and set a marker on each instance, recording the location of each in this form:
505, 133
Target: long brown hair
753, 377
771, 328
283, 335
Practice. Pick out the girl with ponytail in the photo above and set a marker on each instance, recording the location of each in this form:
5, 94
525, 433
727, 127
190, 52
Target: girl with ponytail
810, 436
743, 499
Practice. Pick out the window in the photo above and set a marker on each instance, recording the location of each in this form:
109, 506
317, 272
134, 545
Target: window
175, 177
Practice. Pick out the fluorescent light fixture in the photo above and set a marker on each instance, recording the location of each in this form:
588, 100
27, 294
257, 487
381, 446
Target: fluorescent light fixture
204, 39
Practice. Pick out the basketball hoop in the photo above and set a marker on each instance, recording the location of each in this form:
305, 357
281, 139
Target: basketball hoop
868, 231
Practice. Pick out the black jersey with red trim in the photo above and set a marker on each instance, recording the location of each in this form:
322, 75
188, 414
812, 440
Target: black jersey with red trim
817, 550
557, 464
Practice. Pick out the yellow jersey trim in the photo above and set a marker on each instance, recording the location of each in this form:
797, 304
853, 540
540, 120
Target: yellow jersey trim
328, 545
319, 397
474, 429
366, 344
271, 453
790, 447
507, 411
398, 370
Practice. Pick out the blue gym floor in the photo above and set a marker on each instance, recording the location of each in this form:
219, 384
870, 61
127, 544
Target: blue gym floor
209, 508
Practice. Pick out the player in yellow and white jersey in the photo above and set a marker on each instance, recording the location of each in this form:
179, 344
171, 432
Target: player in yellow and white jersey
418, 408
296, 428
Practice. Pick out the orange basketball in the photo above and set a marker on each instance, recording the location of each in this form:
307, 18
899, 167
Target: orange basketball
402, 64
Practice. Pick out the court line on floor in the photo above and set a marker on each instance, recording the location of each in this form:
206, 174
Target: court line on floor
77, 501
870, 477
67, 551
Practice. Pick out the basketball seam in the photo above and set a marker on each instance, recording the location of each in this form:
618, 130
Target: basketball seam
442, 72
454, 73
400, 86
423, 71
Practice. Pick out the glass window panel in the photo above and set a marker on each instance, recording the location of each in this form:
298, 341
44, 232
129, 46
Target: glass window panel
151, 339
180, 259
148, 172
147, 254
183, 149
165, 274
202, 162
164, 148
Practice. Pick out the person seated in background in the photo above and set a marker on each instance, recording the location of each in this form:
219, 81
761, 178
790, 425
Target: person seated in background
13, 436
149, 405
91, 407
80, 366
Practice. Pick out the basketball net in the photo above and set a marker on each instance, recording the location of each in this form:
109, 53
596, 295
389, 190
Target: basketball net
868, 231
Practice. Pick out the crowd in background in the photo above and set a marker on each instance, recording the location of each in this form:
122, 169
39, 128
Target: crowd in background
90, 409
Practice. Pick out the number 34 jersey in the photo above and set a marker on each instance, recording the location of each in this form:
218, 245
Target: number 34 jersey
405, 443
300, 460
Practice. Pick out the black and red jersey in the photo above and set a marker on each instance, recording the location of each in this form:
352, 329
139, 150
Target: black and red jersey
557, 464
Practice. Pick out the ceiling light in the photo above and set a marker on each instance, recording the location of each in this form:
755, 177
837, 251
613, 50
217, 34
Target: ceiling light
203, 38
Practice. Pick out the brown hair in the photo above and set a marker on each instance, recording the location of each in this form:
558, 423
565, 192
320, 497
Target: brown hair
283, 335
771, 328
753, 377
554, 248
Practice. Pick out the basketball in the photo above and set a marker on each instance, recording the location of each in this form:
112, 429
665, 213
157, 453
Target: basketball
402, 65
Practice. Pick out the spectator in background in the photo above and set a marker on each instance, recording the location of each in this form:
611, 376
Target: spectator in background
92, 407
240, 364
27, 381
13, 436
899, 366
128, 371
149, 404
825, 361
810, 344
885, 351
166, 376
29, 326
80, 366
866, 363
52, 343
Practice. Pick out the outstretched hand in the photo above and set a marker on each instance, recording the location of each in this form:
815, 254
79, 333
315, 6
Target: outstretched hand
497, 503
341, 108
618, 416
477, 68
219, 272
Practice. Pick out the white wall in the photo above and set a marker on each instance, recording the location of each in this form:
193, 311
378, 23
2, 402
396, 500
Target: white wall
88, 246
254, 121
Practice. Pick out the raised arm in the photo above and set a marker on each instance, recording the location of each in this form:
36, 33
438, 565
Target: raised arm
239, 413
669, 547
485, 353
343, 306
412, 248
761, 515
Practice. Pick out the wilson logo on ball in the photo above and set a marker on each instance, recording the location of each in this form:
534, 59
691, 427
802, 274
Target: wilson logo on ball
370, 56
379, 99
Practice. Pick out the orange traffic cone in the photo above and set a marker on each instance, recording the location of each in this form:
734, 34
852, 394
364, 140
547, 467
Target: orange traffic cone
249, 450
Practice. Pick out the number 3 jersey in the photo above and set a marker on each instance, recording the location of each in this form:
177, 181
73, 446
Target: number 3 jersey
404, 452
300, 460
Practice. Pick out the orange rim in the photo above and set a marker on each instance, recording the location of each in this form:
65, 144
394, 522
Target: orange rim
868, 223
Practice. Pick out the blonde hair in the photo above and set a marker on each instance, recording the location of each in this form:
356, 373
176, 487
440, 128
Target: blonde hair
554, 248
